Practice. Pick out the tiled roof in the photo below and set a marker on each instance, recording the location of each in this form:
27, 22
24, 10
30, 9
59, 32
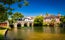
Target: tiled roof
51, 16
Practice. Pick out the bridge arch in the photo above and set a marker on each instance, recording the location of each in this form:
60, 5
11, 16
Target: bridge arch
25, 24
18, 24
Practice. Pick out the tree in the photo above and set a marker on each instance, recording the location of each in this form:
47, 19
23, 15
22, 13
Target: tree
38, 21
7, 9
3, 14
10, 2
62, 19
17, 15
3, 17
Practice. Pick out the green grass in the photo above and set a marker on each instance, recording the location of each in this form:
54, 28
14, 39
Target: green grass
1, 37
2, 32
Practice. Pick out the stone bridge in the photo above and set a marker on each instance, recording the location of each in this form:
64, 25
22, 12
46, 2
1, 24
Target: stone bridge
23, 23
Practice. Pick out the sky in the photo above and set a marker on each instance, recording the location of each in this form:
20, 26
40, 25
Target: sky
37, 7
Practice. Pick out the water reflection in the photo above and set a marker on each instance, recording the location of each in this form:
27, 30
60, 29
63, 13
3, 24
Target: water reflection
51, 29
62, 30
48, 29
34, 32
38, 29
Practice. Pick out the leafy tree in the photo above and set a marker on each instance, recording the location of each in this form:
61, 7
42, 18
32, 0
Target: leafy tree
14, 17
5, 11
10, 2
62, 19
10, 20
38, 21
17, 15
2, 9
3, 17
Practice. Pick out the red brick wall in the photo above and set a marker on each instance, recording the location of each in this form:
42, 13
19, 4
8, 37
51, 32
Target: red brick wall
3, 24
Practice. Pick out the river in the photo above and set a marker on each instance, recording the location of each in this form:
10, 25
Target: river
36, 33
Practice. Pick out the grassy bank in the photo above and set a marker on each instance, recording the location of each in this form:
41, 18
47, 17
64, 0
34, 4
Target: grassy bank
2, 33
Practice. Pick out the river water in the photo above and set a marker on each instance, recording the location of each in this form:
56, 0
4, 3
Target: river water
36, 33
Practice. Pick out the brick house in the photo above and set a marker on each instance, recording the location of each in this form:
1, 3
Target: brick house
49, 18
4, 24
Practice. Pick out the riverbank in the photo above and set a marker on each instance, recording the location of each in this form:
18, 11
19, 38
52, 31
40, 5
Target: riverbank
2, 33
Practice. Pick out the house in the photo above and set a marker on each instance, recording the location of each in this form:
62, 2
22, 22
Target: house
49, 18
30, 19
3, 24
27, 19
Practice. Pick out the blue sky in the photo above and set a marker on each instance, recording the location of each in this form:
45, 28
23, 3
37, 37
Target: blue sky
37, 7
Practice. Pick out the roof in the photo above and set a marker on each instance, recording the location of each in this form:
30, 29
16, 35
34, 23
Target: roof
50, 17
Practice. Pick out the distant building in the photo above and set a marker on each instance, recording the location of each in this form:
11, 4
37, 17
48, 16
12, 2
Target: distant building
31, 19
50, 17
3, 24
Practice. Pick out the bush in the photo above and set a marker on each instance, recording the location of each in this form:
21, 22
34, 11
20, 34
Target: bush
2, 28
38, 21
45, 24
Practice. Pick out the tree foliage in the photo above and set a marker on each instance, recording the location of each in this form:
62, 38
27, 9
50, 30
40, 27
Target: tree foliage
17, 15
14, 17
5, 11
2, 9
62, 19
10, 2
38, 20
3, 17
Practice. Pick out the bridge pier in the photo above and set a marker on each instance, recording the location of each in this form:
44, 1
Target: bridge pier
28, 24
22, 24
15, 25
32, 24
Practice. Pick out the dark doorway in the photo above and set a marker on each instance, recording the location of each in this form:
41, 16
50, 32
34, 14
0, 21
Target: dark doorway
25, 25
19, 25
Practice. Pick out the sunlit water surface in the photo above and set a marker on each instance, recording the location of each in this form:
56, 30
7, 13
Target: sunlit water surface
36, 33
